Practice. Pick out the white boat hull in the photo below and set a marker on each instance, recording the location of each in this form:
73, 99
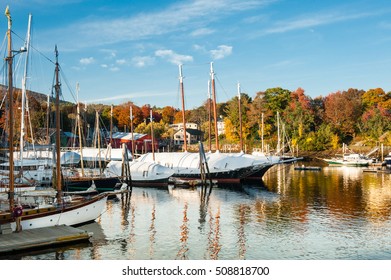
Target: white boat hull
70, 217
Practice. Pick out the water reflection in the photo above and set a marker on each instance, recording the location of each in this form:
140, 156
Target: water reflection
335, 213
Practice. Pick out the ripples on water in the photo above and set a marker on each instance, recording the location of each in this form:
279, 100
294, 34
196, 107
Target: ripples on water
336, 213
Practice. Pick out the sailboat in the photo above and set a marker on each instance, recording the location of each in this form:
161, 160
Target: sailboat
31, 170
223, 167
81, 179
62, 210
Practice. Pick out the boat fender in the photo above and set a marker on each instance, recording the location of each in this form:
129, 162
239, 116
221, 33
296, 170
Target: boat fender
18, 210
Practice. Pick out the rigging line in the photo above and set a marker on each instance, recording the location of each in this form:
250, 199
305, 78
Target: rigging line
31, 46
217, 78
67, 84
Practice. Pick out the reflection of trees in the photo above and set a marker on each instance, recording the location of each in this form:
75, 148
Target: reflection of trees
342, 192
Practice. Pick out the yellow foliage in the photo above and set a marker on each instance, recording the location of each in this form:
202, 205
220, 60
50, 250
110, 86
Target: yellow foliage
335, 141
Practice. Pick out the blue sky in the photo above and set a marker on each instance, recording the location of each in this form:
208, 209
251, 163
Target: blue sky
121, 51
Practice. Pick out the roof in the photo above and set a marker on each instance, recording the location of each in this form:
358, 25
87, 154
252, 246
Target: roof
191, 131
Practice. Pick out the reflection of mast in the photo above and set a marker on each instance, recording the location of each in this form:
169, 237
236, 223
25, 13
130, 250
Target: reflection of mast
240, 120
212, 75
183, 107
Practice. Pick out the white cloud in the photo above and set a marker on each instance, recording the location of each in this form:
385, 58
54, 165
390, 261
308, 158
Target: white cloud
308, 21
173, 57
221, 52
121, 61
142, 61
104, 65
181, 16
87, 60
202, 32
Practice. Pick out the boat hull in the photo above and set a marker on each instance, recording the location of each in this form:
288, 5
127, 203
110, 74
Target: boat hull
103, 184
78, 213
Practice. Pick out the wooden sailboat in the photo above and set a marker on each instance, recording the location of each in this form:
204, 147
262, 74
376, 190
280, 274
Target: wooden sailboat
224, 168
79, 179
62, 210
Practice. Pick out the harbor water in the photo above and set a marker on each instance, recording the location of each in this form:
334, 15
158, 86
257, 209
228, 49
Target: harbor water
336, 213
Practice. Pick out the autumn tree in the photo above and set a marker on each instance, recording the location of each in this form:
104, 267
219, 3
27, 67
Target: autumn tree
342, 110
299, 118
168, 114
232, 119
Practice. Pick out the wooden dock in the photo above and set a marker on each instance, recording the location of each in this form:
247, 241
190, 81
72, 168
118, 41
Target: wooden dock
41, 238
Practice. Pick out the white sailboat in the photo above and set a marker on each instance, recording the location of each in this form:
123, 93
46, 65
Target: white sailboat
223, 167
62, 210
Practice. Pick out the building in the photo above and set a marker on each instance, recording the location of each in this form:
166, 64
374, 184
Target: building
178, 126
142, 142
192, 136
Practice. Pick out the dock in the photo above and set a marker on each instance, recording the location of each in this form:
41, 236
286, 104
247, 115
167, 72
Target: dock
41, 238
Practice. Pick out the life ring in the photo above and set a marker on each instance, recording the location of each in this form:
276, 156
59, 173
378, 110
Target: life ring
18, 211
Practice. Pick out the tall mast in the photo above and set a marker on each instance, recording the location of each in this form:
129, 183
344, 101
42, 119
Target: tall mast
79, 130
58, 139
22, 128
278, 133
212, 75
131, 130
183, 107
240, 120
263, 148
111, 125
209, 118
98, 134
152, 138
10, 113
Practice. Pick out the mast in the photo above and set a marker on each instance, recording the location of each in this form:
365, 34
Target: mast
131, 130
183, 107
262, 136
212, 74
10, 113
22, 128
111, 125
240, 120
152, 138
58, 139
209, 118
98, 132
79, 130
47, 120
278, 134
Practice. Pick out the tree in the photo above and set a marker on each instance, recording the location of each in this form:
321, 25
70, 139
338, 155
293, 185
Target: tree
232, 120
299, 118
342, 110
168, 114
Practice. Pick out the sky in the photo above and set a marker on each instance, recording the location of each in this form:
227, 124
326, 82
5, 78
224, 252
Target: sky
119, 51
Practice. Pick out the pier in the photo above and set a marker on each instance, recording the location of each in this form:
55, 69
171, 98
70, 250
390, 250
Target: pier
41, 238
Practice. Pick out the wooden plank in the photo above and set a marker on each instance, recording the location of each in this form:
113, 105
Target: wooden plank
41, 237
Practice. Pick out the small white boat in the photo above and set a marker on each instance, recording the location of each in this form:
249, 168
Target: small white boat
350, 159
